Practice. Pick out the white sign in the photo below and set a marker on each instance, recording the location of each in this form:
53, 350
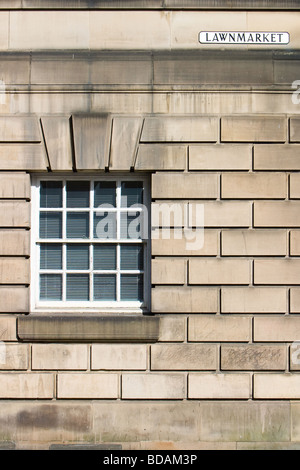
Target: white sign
246, 37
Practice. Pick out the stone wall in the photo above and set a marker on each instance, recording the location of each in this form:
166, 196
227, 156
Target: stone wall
227, 311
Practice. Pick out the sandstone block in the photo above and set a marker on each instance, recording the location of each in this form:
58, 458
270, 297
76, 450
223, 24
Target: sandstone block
14, 214
277, 386
253, 300
219, 386
184, 300
59, 356
277, 214
253, 357
26, 385
14, 242
254, 186
254, 243
219, 271
19, 129
164, 386
253, 129
161, 157
172, 328
14, 185
180, 129
168, 271
14, 299
209, 328
185, 186
119, 356
87, 385
14, 271
277, 329
13, 356
276, 157
220, 157
23, 157
275, 271
183, 357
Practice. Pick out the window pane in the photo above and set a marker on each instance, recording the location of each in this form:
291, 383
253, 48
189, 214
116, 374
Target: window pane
51, 256
78, 194
105, 226
131, 193
104, 257
105, 287
50, 225
50, 287
131, 226
105, 193
78, 257
51, 194
132, 257
132, 287
78, 225
78, 287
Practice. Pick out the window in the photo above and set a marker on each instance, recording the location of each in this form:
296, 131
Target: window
90, 242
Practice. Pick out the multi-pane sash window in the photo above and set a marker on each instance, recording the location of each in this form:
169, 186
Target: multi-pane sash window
92, 242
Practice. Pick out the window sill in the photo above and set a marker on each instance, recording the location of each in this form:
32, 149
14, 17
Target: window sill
61, 327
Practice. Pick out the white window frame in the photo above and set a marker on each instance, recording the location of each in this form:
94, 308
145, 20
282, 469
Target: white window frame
38, 305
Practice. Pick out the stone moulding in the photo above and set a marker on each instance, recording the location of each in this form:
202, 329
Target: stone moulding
70, 327
158, 70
